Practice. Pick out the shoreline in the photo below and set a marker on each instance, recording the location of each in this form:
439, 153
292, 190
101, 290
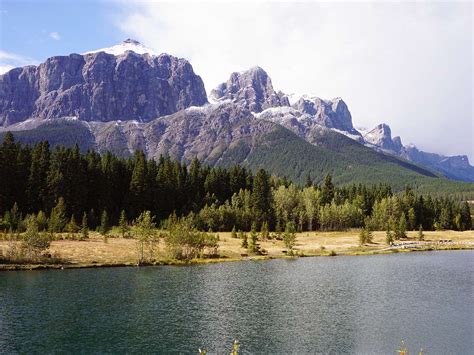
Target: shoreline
170, 262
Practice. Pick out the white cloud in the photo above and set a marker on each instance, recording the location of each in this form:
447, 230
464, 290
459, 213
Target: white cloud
5, 67
9, 61
55, 35
407, 64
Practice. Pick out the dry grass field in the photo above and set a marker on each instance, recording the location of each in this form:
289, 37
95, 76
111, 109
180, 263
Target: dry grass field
119, 251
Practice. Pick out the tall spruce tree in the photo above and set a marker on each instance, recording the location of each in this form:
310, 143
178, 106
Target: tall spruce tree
289, 236
104, 223
57, 218
84, 227
327, 190
261, 197
123, 224
33, 240
466, 219
421, 235
401, 228
253, 245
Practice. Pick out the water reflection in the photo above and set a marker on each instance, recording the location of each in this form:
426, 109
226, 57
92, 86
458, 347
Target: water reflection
338, 305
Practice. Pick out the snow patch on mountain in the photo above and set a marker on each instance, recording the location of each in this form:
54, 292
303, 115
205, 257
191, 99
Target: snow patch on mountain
127, 45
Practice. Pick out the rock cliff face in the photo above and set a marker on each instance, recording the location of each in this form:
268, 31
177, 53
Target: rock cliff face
251, 89
210, 133
328, 113
381, 137
126, 97
100, 87
454, 167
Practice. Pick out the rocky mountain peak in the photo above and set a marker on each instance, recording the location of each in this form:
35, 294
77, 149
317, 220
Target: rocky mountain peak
131, 41
103, 85
125, 46
329, 113
252, 89
381, 137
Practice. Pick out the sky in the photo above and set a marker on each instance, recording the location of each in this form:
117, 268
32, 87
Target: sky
407, 64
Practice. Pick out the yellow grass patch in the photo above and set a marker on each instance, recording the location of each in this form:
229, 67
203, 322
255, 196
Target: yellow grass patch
123, 251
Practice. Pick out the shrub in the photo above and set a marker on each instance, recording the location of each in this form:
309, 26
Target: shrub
289, 236
145, 233
185, 242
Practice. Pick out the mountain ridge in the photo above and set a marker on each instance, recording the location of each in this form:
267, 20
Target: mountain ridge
171, 114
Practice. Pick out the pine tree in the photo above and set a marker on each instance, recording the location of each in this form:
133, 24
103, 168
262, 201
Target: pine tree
33, 240
123, 224
253, 245
9, 172
104, 224
309, 181
233, 233
15, 217
84, 227
92, 219
37, 178
72, 226
139, 184
327, 190
411, 219
400, 231
243, 237
362, 236
261, 196
445, 219
264, 233
57, 218
289, 236
466, 220
388, 235
421, 235
368, 234
278, 227
42, 221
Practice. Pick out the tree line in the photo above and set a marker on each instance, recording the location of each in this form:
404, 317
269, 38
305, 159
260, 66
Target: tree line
64, 187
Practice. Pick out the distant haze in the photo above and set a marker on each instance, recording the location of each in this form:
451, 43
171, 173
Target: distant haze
406, 64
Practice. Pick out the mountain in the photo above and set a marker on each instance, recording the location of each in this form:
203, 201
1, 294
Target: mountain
251, 89
453, 167
381, 137
103, 85
126, 97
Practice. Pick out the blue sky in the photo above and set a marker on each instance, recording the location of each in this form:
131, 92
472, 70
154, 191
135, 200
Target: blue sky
39, 29
407, 64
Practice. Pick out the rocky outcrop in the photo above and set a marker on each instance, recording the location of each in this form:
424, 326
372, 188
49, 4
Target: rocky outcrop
381, 137
328, 113
251, 89
454, 167
100, 87
210, 133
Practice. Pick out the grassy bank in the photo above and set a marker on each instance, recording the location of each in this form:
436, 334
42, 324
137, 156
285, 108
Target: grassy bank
95, 252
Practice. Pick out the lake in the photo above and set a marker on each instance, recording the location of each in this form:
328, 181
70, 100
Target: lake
362, 304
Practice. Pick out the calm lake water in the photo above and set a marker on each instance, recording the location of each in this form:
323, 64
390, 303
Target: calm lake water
362, 304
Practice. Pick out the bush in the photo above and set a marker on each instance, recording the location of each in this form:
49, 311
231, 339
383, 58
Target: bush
33, 240
185, 242
145, 233
289, 237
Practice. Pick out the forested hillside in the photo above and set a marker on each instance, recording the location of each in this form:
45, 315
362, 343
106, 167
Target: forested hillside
275, 148
64, 185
